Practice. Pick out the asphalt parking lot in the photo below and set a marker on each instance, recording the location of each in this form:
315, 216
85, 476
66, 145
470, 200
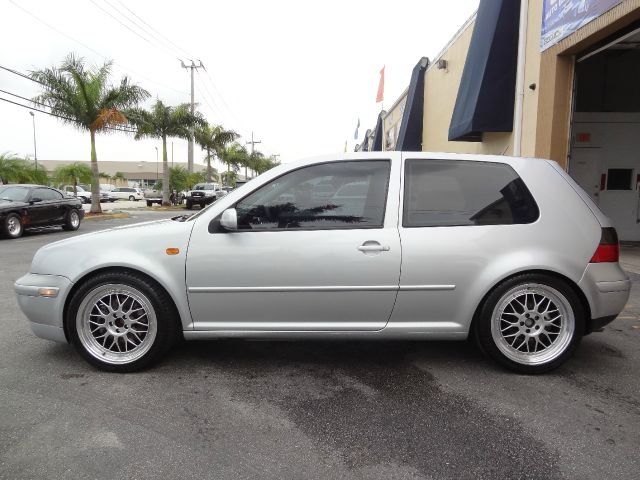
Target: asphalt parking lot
298, 410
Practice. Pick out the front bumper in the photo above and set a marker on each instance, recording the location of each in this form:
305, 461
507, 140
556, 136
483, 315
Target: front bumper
607, 288
41, 299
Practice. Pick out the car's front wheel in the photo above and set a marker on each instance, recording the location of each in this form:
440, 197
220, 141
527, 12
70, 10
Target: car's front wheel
132, 198
121, 322
12, 226
531, 323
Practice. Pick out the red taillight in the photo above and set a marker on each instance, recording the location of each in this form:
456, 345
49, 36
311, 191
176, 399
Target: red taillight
609, 249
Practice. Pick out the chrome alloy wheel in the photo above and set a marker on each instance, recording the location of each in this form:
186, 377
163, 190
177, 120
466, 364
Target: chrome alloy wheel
532, 324
74, 219
14, 227
116, 324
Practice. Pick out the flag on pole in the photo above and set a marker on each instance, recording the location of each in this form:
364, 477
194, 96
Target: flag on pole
355, 135
380, 96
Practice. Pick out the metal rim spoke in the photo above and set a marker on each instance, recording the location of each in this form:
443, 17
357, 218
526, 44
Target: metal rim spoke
532, 323
116, 323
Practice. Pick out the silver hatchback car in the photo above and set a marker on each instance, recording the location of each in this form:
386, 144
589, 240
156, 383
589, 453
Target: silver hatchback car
385, 245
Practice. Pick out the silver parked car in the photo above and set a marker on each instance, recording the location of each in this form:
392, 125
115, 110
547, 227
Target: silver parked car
509, 251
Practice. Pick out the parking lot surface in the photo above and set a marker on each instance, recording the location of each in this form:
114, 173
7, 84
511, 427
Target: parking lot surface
298, 410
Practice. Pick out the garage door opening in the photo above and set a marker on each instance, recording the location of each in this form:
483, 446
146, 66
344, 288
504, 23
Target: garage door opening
605, 140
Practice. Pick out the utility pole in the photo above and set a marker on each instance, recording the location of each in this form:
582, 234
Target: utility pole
252, 142
35, 150
193, 67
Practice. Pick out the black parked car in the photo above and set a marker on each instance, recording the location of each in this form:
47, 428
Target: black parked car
30, 206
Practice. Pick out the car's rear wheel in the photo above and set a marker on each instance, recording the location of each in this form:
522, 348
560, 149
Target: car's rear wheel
189, 204
121, 322
72, 220
149, 204
12, 226
531, 323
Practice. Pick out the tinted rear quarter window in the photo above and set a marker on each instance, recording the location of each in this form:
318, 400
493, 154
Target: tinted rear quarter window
454, 193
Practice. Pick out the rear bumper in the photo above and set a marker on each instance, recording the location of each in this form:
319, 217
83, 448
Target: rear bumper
607, 289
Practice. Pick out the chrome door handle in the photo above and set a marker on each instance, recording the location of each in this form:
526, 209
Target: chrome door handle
373, 247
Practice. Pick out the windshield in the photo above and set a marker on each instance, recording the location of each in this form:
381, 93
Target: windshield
14, 194
205, 186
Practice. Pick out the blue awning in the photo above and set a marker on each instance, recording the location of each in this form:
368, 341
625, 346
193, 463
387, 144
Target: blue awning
487, 89
410, 135
377, 136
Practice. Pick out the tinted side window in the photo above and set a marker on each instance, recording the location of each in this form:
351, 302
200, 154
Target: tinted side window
46, 194
330, 195
448, 193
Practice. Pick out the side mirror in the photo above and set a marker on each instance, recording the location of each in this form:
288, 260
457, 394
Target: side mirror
229, 220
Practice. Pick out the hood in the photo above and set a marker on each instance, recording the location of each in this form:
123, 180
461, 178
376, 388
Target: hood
11, 205
113, 246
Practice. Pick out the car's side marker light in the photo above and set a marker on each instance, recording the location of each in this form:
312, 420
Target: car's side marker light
48, 292
173, 251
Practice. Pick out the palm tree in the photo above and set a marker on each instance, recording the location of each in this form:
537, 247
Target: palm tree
17, 170
73, 173
234, 156
229, 178
83, 97
213, 139
119, 176
12, 167
105, 176
164, 121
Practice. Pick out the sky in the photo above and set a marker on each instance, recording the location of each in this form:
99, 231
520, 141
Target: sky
298, 75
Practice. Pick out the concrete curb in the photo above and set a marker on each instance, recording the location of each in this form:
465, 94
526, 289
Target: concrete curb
107, 216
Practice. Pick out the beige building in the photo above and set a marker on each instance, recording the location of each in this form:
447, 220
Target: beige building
137, 174
574, 96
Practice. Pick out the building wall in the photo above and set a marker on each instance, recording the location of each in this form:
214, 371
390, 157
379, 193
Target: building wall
440, 92
392, 121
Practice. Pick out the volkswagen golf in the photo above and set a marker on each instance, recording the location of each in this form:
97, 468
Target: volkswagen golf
388, 245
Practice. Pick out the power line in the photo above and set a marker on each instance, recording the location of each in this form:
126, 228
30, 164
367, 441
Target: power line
124, 67
28, 107
15, 72
127, 27
231, 113
205, 89
168, 40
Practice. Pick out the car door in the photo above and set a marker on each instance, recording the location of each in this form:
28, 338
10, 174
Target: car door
47, 208
301, 260
457, 217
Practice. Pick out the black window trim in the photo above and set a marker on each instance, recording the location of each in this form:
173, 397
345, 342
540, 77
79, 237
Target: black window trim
404, 193
214, 225
35, 189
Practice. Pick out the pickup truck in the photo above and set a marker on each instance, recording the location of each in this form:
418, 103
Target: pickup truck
204, 194
152, 196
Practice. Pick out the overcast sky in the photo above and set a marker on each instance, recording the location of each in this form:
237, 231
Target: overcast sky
298, 74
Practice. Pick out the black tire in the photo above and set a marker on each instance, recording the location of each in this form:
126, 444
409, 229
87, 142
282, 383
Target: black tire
132, 198
86, 200
12, 226
149, 204
560, 348
189, 204
167, 319
71, 220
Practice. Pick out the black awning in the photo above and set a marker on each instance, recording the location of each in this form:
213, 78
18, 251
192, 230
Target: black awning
410, 135
377, 136
487, 89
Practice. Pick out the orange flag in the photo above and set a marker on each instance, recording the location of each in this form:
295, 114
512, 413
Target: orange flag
380, 96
